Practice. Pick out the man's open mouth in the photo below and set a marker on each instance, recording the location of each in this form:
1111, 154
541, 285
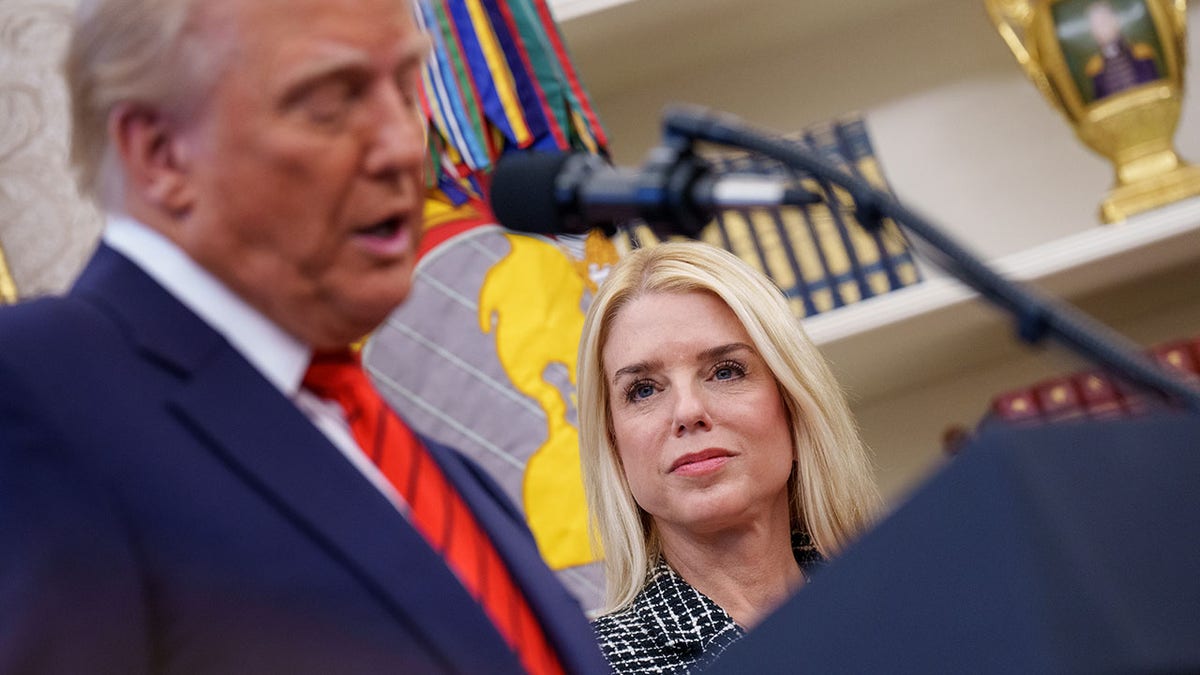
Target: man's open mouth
384, 229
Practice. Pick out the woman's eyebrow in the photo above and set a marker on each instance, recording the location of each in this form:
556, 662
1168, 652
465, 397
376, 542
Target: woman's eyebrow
712, 353
639, 368
723, 350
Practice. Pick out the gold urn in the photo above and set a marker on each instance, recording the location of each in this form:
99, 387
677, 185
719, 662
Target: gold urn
1114, 68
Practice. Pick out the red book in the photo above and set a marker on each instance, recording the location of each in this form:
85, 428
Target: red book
1017, 406
1095, 394
1058, 399
1177, 356
1099, 395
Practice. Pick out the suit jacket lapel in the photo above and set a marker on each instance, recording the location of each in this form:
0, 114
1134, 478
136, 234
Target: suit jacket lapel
264, 438
561, 617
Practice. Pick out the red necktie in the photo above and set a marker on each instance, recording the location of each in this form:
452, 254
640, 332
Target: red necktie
437, 511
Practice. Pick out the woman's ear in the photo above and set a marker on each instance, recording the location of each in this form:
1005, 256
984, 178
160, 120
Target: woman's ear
153, 157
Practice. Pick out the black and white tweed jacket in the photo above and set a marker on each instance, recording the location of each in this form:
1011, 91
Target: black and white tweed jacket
671, 627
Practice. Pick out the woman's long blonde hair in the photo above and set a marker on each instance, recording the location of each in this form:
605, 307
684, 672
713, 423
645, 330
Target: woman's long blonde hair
833, 496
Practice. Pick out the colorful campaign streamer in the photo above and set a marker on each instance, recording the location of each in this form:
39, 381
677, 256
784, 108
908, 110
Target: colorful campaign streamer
500, 79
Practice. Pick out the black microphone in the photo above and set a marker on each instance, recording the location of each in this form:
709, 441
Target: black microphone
675, 193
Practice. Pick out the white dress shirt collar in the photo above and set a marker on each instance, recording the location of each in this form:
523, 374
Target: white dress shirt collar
275, 353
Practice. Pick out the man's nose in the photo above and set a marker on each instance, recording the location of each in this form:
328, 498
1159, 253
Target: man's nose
691, 410
397, 140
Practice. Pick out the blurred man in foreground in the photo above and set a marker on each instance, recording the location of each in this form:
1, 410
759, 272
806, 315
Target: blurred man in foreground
195, 474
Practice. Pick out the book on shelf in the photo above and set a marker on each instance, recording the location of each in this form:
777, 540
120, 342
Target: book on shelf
819, 255
1091, 394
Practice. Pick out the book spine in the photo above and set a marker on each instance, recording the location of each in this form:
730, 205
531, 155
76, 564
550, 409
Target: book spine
1094, 394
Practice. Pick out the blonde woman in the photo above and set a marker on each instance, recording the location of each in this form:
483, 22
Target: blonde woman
720, 459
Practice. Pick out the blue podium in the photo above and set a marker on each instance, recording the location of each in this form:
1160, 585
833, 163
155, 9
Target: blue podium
1069, 548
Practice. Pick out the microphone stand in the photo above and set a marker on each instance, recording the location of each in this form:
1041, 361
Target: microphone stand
1037, 315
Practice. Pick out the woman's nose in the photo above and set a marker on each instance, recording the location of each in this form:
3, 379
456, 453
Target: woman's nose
691, 411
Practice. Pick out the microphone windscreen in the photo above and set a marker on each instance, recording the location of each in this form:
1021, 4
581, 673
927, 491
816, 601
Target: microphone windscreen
523, 191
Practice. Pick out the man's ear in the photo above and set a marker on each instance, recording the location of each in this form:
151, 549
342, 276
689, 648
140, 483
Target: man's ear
153, 156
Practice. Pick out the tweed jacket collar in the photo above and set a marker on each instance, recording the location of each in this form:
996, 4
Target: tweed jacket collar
671, 626
688, 621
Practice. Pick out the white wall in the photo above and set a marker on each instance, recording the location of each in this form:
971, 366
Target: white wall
45, 228
960, 132
962, 135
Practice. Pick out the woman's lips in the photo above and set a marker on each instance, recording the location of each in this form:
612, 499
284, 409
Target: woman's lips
700, 463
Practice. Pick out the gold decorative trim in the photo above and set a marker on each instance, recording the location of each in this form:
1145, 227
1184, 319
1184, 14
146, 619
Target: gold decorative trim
8, 287
1129, 115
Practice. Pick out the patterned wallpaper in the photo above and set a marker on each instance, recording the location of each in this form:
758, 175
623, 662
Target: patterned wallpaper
46, 229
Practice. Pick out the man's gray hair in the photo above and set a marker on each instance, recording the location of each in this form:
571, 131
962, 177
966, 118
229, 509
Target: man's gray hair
127, 51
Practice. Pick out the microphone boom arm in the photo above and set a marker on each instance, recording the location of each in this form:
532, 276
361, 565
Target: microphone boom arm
1037, 315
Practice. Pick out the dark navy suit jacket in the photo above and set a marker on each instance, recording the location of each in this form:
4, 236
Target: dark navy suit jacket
163, 508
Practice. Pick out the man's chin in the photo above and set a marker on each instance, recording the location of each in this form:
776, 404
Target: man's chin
333, 316
347, 329
339, 337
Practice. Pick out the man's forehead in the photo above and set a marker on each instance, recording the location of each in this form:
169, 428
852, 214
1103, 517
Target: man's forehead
280, 34
294, 15
322, 58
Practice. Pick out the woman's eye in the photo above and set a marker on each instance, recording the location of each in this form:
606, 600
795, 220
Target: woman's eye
728, 371
639, 391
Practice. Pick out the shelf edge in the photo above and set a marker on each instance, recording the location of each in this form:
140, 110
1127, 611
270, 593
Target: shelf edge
1064, 256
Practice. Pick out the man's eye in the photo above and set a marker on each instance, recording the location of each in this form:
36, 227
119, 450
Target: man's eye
329, 102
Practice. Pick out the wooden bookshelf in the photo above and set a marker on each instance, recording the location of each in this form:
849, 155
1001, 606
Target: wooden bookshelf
961, 136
